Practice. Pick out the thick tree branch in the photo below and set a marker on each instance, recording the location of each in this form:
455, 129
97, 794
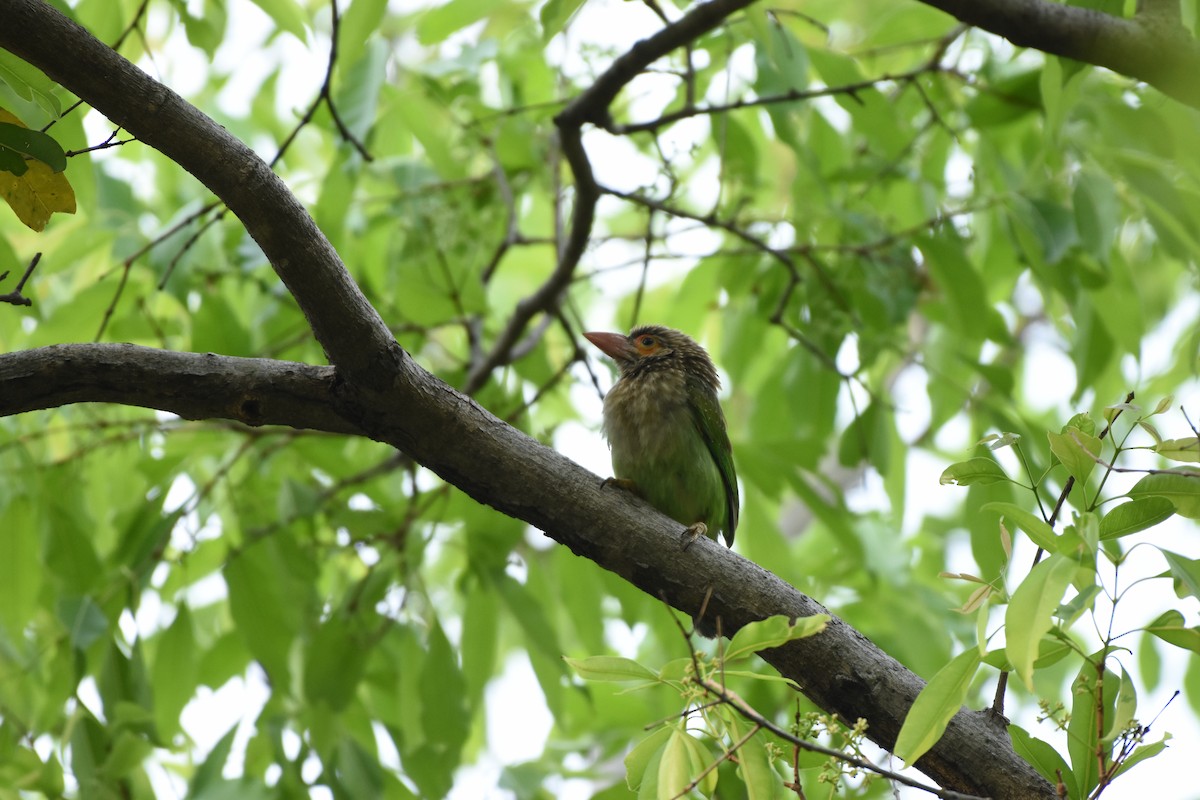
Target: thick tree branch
1152, 47
254, 391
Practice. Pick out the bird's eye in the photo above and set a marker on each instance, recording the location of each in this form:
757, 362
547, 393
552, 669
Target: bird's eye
646, 341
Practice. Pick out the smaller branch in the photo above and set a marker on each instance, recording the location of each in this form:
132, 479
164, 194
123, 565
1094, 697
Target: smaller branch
712, 220
325, 96
742, 707
111, 141
15, 297
1152, 46
127, 264
251, 391
549, 295
1187, 473
130, 28
512, 234
1191, 425
792, 95
187, 245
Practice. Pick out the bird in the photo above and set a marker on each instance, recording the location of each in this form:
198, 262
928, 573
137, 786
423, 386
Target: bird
666, 431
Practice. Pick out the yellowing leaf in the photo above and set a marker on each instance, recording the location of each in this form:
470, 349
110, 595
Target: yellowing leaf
38, 191
37, 194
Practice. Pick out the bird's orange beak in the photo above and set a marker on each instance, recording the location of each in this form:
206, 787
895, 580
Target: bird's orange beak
614, 345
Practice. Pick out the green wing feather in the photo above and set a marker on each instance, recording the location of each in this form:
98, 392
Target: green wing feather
706, 413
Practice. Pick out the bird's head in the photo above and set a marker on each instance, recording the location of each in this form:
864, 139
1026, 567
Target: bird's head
649, 348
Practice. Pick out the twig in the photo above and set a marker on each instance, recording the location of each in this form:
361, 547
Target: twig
742, 707
712, 220
790, 96
325, 96
15, 297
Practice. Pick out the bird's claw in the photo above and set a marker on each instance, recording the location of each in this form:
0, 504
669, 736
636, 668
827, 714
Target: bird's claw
623, 483
693, 532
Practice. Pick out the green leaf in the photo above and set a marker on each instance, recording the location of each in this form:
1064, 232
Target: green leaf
29, 83
782, 58
1082, 422
1142, 753
334, 663
964, 295
358, 94
1044, 758
1039, 531
1187, 450
208, 774
1169, 627
20, 568
867, 438
555, 14
1051, 650
1182, 489
1006, 100
940, 700
83, 620
263, 600
978, 470
126, 754
1076, 450
754, 764
1124, 708
480, 639
1185, 572
444, 715
1097, 212
207, 30
11, 161
430, 123
436, 24
288, 15
610, 668
359, 773
23, 142
773, 632
699, 759
1030, 612
359, 21
642, 761
1134, 516
531, 616
175, 672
